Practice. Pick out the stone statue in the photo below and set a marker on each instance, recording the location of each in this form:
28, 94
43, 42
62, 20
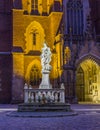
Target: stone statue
46, 67
45, 58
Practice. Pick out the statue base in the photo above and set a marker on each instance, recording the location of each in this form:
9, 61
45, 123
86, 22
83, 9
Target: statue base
38, 107
45, 84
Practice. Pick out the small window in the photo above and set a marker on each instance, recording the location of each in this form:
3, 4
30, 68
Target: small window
34, 5
34, 38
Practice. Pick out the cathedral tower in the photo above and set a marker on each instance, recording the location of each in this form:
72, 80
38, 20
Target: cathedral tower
34, 22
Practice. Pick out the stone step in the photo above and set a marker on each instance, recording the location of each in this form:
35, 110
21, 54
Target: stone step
43, 107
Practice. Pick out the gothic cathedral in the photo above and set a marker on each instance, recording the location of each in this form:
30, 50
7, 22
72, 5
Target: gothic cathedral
71, 28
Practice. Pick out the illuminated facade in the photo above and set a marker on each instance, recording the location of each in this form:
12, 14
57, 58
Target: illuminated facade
67, 28
81, 35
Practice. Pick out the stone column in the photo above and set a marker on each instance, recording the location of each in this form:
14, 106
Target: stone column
25, 93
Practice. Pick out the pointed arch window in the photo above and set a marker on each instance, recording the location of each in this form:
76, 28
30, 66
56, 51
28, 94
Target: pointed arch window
75, 17
34, 76
34, 37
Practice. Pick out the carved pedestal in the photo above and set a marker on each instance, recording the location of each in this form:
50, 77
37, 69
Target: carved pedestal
45, 83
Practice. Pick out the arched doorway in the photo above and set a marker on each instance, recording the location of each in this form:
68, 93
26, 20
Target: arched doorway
88, 81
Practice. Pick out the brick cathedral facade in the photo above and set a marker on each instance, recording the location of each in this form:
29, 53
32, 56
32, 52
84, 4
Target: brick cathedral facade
71, 28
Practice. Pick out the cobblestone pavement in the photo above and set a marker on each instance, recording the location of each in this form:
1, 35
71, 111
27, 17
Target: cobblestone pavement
88, 118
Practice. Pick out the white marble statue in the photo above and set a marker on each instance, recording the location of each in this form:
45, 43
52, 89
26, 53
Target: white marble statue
46, 58
46, 67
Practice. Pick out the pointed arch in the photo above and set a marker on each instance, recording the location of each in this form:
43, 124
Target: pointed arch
34, 31
35, 64
88, 88
92, 57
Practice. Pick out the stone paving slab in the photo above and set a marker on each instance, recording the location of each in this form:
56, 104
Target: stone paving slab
41, 114
83, 121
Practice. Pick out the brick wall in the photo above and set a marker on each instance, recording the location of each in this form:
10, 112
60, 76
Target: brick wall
5, 78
